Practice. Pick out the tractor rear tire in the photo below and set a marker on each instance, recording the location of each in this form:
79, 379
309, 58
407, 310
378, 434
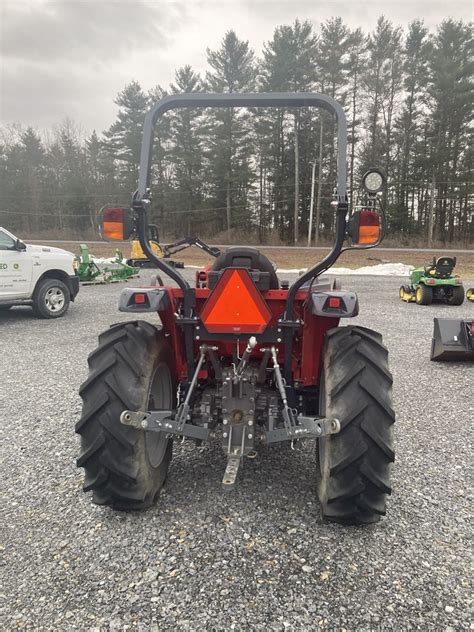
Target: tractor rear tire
354, 464
457, 297
131, 369
424, 294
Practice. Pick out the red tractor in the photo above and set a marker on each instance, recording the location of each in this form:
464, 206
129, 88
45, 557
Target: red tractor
241, 358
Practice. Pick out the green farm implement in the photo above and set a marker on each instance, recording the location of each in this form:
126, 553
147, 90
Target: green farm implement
435, 283
91, 274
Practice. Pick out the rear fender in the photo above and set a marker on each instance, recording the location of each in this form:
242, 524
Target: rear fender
344, 304
156, 300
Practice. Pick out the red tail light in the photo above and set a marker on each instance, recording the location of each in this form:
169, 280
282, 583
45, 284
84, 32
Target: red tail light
235, 306
140, 299
369, 227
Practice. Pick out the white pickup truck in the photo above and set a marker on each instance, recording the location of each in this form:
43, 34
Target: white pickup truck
40, 276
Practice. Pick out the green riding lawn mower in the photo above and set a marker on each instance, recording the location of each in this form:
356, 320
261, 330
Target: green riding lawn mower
434, 283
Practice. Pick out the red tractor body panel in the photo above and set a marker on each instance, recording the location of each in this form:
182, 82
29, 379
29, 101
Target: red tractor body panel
307, 342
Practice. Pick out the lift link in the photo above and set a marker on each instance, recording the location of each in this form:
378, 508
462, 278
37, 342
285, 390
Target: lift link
183, 412
163, 420
299, 426
288, 414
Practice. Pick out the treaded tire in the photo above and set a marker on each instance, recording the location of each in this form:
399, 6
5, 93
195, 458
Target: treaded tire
354, 464
423, 295
457, 297
132, 368
42, 306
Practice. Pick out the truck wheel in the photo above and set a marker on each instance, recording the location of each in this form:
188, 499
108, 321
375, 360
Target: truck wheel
131, 369
51, 298
457, 297
354, 464
424, 295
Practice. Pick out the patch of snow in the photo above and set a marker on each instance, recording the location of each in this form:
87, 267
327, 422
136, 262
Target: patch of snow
105, 260
381, 269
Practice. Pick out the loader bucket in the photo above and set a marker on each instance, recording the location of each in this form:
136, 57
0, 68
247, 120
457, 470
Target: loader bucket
453, 339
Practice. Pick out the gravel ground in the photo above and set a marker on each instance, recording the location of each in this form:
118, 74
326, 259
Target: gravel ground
258, 558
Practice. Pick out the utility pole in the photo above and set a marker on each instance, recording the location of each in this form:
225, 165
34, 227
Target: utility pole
320, 177
431, 212
297, 181
310, 225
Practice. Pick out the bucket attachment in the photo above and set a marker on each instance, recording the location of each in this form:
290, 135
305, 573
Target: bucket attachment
453, 339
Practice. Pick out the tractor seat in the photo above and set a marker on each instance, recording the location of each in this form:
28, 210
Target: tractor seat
260, 267
443, 266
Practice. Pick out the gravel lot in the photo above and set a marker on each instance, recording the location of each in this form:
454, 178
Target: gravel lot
258, 558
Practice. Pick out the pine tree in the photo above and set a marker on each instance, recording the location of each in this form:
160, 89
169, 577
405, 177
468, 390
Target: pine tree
450, 93
125, 135
186, 153
381, 80
229, 142
160, 177
356, 66
332, 71
289, 66
410, 121
32, 187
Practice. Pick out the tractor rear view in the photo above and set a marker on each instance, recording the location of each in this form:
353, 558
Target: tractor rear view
240, 360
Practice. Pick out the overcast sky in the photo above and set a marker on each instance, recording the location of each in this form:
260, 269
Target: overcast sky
69, 58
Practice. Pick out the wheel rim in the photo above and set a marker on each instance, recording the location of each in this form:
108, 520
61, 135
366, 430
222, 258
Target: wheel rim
418, 294
160, 397
54, 299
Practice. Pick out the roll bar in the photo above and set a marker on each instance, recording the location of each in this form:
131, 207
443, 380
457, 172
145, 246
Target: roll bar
141, 199
262, 100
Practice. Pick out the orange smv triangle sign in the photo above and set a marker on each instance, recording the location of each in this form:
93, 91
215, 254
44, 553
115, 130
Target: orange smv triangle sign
235, 305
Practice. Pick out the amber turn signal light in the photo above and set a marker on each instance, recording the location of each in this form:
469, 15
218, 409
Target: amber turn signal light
364, 228
116, 223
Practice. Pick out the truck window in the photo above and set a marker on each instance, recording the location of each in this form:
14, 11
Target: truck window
6, 242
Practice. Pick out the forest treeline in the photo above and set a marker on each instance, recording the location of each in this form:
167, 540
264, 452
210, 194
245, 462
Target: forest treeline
407, 94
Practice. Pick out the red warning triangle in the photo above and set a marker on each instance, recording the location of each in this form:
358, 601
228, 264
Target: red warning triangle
235, 305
